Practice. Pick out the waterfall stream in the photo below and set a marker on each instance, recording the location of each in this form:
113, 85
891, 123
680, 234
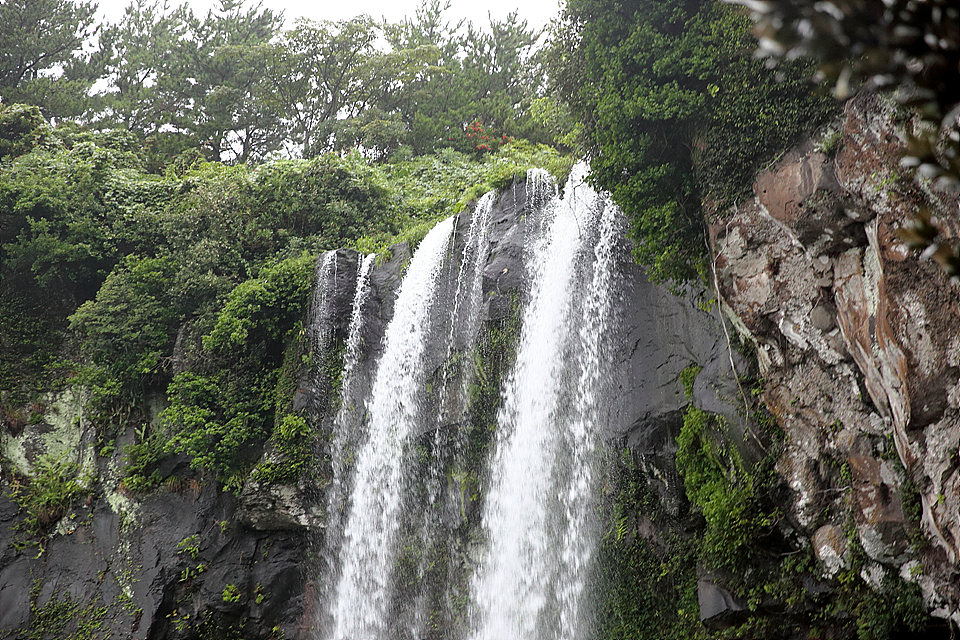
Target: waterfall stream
360, 605
409, 556
537, 518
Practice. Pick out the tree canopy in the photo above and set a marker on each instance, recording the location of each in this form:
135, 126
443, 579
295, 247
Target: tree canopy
239, 87
42, 60
674, 112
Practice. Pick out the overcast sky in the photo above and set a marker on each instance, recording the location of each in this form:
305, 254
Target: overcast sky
537, 13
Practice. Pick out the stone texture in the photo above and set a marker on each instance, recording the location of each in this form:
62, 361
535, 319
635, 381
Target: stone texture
857, 342
718, 608
830, 547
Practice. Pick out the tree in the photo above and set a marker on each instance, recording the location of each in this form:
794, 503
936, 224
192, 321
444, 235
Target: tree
41, 61
463, 76
223, 79
497, 68
657, 89
140, 51
180, 81
321, 79
22, 128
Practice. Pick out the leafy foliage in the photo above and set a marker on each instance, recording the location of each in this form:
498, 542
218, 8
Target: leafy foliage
41, 57
46, 496
22, 127
722, 489
260, 310
63, 616
330, 197
220, 418
233, 86
673, 110
651, 584
129, 328
195, 279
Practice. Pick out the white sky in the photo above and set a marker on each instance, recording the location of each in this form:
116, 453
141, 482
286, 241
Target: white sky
537, 13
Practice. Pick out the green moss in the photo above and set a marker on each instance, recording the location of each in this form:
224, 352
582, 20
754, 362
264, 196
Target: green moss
687, 377
650, 583
231, 594
64, 618
492, 358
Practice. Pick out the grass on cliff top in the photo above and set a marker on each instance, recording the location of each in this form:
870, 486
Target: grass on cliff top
432, 187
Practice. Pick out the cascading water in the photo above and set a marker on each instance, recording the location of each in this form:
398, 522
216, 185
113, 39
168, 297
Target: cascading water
346, 426
325, 274
360, 604
540, 536
402, 526
453, 382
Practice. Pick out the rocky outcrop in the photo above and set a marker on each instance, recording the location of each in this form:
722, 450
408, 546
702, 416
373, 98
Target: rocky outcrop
857, 342
145, 569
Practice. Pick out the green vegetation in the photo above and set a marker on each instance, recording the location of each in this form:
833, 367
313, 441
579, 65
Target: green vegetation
45, 497
191, 285
233, 85
158, 247
675, 114
651, 559
65, 618
164, 275
651, 581
190, 546
231, 594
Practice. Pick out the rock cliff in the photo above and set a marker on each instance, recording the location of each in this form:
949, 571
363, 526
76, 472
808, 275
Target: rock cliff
857, 344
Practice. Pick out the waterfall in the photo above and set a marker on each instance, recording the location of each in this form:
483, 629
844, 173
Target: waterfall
453, 382
412, 550
325, 274
362, 292
360, 604
346, 427
537, 518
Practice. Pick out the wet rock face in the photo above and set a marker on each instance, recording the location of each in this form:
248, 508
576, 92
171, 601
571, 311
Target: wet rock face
857, 342
149, 579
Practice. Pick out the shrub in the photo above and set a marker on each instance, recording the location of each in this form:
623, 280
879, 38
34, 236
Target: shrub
45, 498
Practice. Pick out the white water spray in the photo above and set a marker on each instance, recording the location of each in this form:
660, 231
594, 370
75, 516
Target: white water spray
537, 516
360, 605
401, 547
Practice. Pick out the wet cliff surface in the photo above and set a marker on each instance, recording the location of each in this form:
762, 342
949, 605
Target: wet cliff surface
856, 345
